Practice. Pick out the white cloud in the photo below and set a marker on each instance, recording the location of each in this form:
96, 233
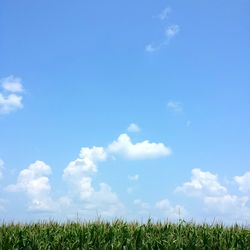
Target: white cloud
144, 206
228, 208
175, 106
104, 202
171, 211
86, 162
87, 200
133, 128
164, 14
243, 182
218, 203
1, 168
78, 171
33, 181
172, 31
12, 84
202, 183
133, 177
141, 150
150, 48
226, 203
11, 101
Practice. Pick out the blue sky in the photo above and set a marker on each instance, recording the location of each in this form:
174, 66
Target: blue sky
125, 109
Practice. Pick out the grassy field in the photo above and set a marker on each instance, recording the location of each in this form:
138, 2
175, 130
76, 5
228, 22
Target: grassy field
122, 235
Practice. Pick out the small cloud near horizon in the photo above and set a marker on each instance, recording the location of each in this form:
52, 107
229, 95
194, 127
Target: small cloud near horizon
134, 128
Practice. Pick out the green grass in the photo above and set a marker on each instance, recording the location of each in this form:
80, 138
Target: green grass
122, 235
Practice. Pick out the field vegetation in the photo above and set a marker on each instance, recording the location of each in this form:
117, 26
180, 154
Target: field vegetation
122, 235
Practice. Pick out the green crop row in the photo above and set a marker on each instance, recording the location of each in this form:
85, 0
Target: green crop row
122, 235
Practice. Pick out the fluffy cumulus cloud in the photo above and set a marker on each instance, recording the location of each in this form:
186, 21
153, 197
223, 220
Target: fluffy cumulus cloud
217, 201
34, 182
83, 196
78, 172
133, 128
10, 96
86, 162
123, 146
243, 182
170, 211
202, 183
79, 175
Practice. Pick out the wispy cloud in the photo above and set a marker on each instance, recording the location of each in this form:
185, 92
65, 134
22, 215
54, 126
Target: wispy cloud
133, 128
164, 13
172, 31
133, 177
175, 106
10, 98
152, 48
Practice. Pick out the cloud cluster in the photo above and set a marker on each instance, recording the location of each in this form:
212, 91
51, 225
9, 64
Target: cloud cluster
88, 199
79, 173
82, 196
10, 97
170, 32
216, 198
